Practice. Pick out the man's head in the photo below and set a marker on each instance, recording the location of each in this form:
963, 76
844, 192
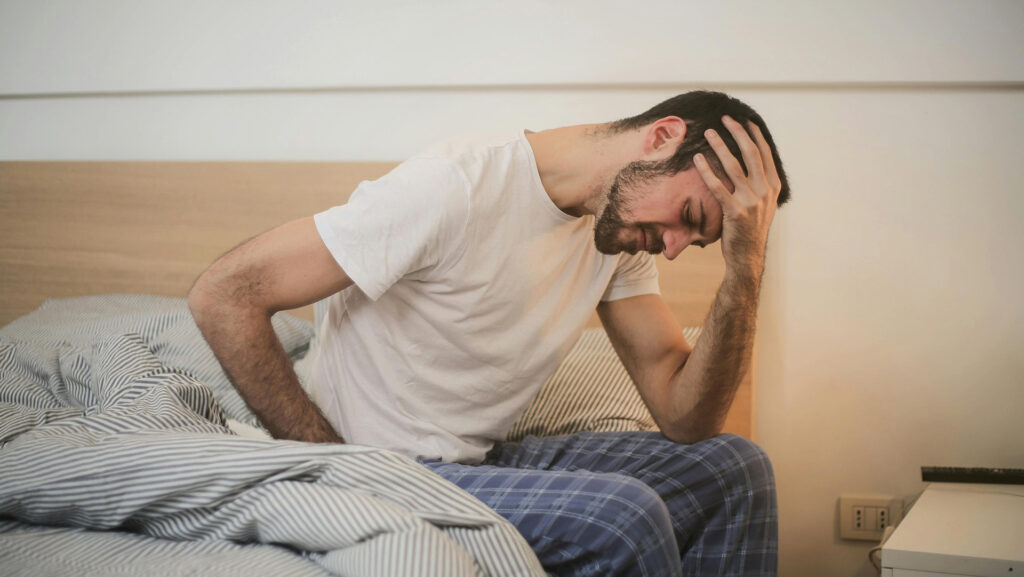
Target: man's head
663, 204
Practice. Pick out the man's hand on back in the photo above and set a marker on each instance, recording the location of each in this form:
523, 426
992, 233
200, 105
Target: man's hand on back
232, 303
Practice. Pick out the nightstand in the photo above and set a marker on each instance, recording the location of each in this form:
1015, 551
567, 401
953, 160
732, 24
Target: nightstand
959, 530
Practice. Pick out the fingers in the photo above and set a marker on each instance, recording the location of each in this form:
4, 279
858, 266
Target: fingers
729, 163
717, 188
762, 178
766, 154
749, 150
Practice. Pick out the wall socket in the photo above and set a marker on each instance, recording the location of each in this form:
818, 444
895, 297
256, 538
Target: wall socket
865, 517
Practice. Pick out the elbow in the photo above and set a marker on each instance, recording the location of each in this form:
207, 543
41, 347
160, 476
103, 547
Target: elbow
224, 292
688, 432
201, 300
210, 294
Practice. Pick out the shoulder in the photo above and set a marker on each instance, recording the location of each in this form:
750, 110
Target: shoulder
480, 157
465, 147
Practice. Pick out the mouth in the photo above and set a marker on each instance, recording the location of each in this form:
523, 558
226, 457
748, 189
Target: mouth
643, 240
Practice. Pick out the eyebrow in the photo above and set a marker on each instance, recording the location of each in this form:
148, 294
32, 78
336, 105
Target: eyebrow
703, 219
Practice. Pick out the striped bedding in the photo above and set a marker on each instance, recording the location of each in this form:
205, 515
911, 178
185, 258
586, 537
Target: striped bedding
115, 460
590, 391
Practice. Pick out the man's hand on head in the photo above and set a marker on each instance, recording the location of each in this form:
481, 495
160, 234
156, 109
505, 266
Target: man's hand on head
747, 211
694, 402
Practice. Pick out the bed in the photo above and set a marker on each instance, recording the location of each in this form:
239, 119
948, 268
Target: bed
123, 448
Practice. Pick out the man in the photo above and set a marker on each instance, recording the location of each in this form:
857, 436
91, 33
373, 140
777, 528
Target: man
459, 281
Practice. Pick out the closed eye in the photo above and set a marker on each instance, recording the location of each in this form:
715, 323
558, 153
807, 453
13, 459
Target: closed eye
690, 222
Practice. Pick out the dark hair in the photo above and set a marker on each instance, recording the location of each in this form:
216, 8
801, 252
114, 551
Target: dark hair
702, 110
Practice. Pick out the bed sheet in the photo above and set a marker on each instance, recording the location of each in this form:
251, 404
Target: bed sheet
116, 460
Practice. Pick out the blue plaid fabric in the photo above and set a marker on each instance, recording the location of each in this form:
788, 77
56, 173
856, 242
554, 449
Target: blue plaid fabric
633, 503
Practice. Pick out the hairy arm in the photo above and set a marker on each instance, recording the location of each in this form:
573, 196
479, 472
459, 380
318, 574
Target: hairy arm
689, 392
233, 301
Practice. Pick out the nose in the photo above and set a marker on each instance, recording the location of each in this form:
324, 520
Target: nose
675, 242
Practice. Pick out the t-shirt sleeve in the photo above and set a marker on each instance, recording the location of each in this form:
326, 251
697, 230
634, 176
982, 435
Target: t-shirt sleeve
401, 224
636, 275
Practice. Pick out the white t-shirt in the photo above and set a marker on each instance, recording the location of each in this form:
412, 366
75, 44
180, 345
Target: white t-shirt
470, 287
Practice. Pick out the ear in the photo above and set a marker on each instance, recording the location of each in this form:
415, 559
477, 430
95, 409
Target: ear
663, 137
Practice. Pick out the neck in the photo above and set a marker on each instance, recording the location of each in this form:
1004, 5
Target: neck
577, 164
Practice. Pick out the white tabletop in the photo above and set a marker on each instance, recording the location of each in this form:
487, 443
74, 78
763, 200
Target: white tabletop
962, 530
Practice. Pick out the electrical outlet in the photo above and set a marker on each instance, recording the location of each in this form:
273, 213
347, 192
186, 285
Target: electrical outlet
865, 517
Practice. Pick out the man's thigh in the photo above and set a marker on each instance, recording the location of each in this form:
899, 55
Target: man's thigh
719, 493
704, 471
578, 522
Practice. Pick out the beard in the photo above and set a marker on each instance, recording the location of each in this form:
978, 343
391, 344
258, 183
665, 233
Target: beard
621, 195
610, 222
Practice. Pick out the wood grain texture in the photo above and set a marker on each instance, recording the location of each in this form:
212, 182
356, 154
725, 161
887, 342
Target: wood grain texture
84, 228
78, 228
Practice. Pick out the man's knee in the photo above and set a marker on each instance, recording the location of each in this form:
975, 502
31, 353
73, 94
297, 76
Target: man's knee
743, 461
638, 503
733, 475
619, 506
633, 521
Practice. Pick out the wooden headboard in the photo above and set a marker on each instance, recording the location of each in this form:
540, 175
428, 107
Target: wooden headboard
77, 228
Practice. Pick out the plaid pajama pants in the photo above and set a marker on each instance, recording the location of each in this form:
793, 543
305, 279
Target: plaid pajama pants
633, 503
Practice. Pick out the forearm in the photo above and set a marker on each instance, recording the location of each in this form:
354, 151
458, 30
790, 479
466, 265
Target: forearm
258, 366
702, 390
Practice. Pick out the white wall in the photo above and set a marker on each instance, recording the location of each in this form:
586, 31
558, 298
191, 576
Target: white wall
890, 318
115, 45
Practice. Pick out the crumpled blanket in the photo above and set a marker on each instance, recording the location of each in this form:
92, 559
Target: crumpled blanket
111, 462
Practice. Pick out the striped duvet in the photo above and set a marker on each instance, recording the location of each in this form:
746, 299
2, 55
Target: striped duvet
115, 460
